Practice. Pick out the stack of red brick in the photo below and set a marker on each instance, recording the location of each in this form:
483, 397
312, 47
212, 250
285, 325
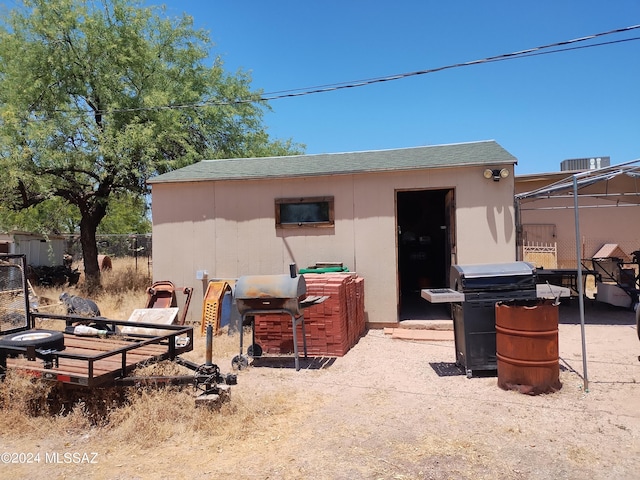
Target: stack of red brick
332, 327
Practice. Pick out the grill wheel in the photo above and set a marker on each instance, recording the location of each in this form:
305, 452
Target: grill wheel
254, 350
239, 362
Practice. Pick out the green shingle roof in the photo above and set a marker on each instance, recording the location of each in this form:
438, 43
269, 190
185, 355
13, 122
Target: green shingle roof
486, 152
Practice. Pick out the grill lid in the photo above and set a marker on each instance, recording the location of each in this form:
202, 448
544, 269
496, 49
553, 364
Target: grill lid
251, 287
274, 293
270, 293
493, 277
494, 269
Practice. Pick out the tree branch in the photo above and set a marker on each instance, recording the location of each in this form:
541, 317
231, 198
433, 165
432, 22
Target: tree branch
26, 199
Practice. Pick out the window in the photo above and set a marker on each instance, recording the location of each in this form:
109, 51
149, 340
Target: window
304, 212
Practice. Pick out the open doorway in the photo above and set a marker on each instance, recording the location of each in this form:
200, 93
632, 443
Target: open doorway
426, 239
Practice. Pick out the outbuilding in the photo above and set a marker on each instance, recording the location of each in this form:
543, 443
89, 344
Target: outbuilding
399, 218
40, 250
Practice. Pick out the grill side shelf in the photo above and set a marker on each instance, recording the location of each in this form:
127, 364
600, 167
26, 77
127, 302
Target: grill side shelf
442, 295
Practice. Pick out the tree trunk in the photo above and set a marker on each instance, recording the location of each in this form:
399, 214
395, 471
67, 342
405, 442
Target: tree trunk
89, 245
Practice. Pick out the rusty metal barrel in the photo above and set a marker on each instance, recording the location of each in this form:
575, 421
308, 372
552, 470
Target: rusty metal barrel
104, 262
527, 353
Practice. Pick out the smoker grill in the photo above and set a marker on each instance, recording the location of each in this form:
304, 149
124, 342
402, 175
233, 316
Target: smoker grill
272, 294
474, 321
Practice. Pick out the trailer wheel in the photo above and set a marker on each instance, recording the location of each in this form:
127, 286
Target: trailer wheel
46, 339
638, 321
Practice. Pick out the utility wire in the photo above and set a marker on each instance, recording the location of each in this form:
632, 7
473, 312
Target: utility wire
362, 83
506, 56
540, 50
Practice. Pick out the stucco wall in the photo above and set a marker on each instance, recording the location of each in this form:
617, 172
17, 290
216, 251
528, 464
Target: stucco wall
228, 228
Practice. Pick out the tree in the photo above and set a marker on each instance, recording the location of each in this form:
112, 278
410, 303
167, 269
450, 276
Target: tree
96, 97
126, 214
53, 216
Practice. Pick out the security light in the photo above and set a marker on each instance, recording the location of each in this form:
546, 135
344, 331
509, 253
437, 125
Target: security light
496, 174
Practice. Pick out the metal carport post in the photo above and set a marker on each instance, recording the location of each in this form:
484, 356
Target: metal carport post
581, 179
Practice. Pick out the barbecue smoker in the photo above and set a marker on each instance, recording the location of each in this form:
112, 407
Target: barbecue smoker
474, 320
272, 294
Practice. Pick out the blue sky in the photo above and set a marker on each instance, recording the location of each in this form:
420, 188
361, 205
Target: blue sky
542, 109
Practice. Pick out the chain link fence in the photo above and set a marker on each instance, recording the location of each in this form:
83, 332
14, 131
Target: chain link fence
562, 254
136, 246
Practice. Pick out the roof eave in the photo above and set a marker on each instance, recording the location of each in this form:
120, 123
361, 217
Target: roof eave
326, 174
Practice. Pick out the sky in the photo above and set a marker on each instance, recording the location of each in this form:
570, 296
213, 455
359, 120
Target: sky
542, 109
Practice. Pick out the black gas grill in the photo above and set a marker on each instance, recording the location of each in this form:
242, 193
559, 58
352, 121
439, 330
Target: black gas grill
474, 321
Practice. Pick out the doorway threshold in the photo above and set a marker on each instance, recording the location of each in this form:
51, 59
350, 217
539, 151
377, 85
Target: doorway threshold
416, 311
413, 334
434, 324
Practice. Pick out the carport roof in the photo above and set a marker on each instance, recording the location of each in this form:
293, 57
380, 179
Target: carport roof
482, 153
617, 184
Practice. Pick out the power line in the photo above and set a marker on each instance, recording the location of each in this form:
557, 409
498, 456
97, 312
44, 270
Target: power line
506, 56
362, 83
558, 47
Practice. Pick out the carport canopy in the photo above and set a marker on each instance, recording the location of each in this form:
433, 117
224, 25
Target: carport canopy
616, 185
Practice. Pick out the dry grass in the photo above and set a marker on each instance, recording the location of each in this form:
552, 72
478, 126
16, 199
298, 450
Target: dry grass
140, 416
123, 290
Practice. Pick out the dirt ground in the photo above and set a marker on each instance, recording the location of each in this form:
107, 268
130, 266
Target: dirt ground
383, 412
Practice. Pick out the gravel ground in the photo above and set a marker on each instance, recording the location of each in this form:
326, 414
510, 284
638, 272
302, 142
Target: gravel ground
383, 412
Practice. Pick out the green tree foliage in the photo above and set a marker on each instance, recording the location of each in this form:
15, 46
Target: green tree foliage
126, 214
53, 216
96, 97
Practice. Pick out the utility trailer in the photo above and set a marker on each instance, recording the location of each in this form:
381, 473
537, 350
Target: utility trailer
52, 347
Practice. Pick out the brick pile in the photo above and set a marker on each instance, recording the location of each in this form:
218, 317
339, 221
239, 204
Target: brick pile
332, 327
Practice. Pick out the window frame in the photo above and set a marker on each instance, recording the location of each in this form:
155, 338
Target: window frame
328, 223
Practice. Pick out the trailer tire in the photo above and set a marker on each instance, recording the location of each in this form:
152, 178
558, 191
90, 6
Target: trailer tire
638, 321
45, 339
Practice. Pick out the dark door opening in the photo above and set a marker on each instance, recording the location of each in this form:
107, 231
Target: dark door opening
425, 238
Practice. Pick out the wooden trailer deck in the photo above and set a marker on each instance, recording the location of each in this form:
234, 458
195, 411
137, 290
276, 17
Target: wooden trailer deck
91, 361
61, 353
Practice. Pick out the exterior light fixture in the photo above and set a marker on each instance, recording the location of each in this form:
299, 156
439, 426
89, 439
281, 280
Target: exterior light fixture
496, 174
